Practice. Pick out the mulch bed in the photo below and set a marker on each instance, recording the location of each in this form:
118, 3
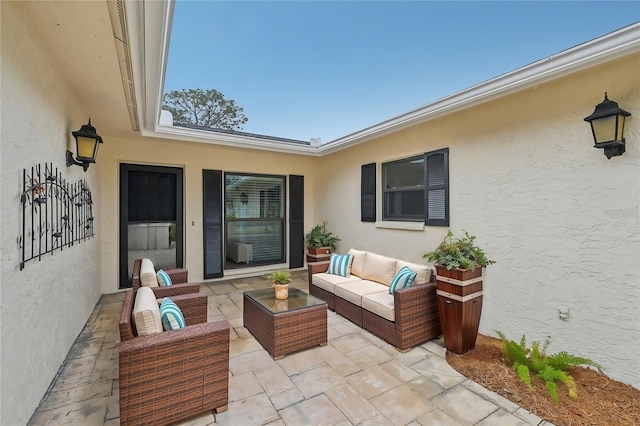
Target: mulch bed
601, 401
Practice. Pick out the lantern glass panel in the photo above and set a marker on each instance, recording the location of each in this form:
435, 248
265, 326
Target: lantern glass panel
87, 148
620, 127
604, 128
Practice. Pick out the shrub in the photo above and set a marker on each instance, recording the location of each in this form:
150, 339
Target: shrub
458, 253
320, 237
548, 368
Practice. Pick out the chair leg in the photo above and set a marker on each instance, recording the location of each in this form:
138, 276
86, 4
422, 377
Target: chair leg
221, 409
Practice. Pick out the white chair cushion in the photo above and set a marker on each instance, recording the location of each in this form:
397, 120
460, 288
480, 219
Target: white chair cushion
146, 313
359, 258
148, 276
423, 271
328, 281
379, 268
353, 292
381, 304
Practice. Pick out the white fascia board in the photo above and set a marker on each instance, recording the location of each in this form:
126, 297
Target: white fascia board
236, 141
611, 46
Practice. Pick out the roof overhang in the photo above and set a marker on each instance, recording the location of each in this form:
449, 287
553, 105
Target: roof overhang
150, 29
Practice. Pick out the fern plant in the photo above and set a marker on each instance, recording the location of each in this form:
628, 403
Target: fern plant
279, 277
320, 237
548, 368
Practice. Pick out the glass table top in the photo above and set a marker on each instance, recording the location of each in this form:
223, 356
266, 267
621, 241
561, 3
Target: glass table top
297, 299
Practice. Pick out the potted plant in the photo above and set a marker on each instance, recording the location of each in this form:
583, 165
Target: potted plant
459, 263
321, 241
280, 280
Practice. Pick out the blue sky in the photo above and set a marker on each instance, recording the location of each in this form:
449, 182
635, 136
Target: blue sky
303, 69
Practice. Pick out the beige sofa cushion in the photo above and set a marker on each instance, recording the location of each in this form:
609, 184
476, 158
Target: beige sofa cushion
146, 313
328, 281
359, 259
423, 271
353, 292
148, 276
381, 304
379, 268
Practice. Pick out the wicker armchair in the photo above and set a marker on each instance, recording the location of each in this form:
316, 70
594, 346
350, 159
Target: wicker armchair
171, 376
179, 278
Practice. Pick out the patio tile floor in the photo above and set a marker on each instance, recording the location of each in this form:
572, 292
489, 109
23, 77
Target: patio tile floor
357, 379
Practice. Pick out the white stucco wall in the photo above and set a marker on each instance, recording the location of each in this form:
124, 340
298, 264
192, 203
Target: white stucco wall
558, 217
193, 158
45, 306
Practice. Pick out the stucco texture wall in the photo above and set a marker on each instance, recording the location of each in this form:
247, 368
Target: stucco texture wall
558, 217
193, 158
44, 306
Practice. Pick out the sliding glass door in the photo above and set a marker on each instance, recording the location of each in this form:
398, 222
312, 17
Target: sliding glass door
254, 219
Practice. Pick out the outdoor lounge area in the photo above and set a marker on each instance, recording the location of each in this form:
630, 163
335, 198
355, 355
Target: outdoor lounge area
510, 159
355, 379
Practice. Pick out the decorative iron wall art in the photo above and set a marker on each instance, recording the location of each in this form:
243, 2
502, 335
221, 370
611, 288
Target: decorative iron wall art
55, 213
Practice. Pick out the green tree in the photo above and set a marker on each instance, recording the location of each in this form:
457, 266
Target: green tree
207, 108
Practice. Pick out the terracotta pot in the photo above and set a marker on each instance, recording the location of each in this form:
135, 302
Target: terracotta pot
460, 306
282, 291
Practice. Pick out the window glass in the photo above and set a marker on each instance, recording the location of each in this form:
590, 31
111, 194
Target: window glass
255, 214
401, 174
403, 189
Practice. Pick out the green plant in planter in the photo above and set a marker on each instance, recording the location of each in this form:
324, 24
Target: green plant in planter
548, 368
320, 237
279, 278
459, 253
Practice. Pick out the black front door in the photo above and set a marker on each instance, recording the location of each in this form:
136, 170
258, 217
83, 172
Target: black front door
150, 217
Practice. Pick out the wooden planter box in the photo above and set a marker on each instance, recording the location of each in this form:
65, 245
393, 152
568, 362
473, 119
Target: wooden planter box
320, 254
319, 250
460, 306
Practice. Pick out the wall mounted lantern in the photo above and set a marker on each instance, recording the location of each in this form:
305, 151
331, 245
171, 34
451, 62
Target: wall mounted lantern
87, 142
607, 125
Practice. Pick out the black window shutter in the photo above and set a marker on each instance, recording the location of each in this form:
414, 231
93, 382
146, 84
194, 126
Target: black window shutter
212, 216
368, 193
296, 221
436, 187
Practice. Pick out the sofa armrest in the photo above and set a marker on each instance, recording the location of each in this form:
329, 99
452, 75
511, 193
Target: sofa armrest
175, 290
178, 275
176, 340
317, 268
415, 304
193, 307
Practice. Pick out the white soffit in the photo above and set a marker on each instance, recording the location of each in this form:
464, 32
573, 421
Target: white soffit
150, 25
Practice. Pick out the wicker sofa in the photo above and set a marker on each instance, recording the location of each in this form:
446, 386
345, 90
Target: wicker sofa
144, 274
173, 375
406, 318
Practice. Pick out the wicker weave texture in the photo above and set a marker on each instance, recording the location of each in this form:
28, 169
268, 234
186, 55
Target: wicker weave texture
323, 294
286, 332
416, 313
348, 310
170, 376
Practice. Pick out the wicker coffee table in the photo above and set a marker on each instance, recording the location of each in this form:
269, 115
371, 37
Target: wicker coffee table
285, 326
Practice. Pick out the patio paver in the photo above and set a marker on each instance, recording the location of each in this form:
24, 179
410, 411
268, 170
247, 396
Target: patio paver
355, 379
